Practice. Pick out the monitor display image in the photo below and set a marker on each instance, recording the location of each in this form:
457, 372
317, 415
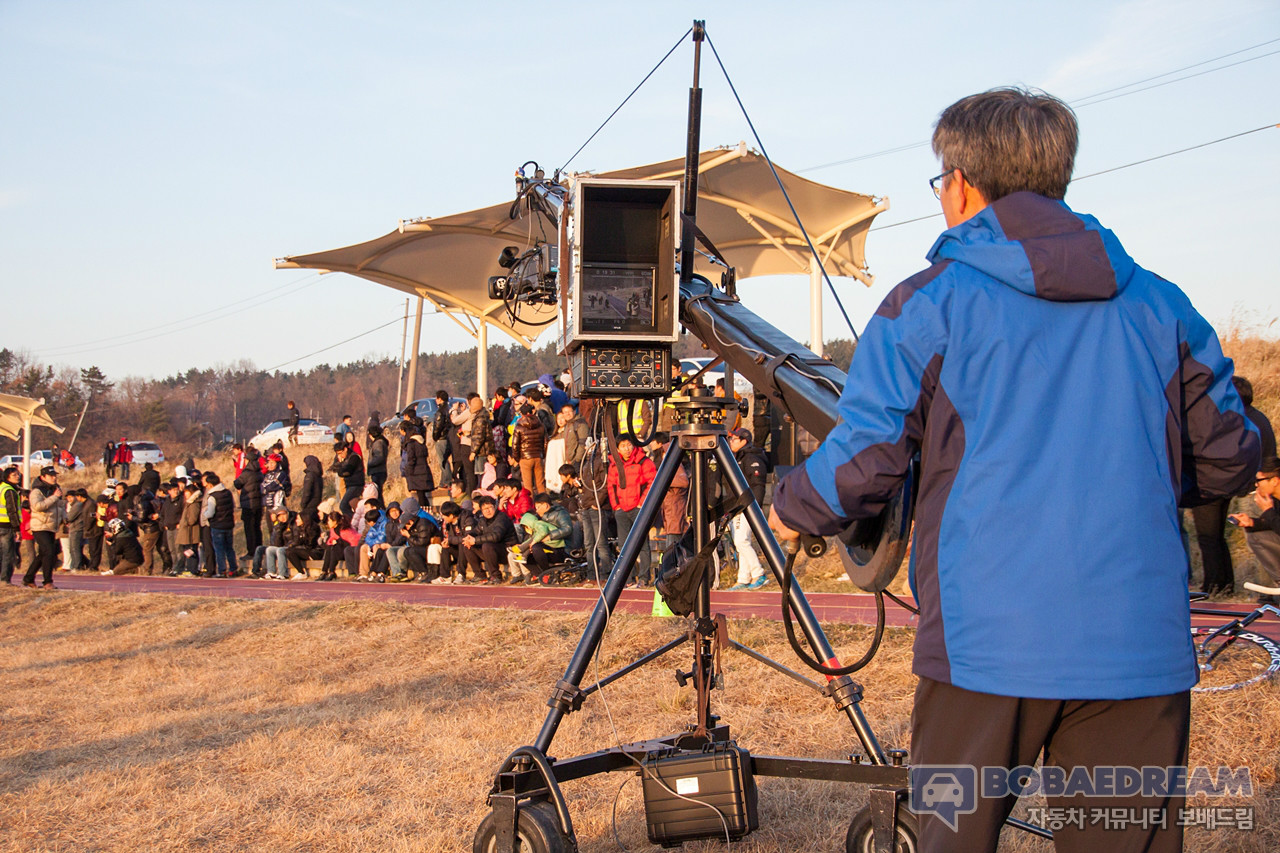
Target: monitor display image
617, 298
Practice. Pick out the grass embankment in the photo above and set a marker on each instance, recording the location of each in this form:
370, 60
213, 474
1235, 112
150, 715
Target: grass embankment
159, 723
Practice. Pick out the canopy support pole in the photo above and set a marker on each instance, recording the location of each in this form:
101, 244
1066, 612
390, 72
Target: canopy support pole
404, 337
26, 452
411, 390
482, 361
815, 306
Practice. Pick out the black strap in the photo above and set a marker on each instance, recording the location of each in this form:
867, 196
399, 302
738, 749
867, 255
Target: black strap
703, 239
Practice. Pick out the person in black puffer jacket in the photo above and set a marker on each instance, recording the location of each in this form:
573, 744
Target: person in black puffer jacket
302, 541
350, 467
417, 470
376, 464
250, 485
312, 487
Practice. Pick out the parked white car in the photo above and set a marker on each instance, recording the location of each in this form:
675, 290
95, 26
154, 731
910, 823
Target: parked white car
690, 366
146, 451
310, 431
39, 459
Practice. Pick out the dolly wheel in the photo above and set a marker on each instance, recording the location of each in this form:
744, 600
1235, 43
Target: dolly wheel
537, 831
905, 835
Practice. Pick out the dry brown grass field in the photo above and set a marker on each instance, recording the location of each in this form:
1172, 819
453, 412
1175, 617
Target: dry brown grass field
176, 724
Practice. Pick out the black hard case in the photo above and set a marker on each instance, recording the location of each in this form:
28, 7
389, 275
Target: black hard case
724, 781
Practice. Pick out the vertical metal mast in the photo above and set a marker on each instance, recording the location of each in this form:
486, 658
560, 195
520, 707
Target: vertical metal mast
691, 159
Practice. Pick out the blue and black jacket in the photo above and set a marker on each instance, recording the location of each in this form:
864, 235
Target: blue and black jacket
1064, 403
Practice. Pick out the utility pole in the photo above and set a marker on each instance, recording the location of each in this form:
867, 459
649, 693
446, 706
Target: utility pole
79, 423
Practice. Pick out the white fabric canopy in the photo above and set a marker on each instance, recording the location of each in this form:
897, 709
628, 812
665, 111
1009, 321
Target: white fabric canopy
448, 260
17, 413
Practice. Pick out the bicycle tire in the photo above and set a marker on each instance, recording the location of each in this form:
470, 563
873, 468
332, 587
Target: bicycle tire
1247, 659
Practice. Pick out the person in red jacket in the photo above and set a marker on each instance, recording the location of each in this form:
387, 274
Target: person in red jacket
514, 500
627, 489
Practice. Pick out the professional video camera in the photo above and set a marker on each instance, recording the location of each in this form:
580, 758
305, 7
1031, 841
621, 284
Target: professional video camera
532, 276
619, 295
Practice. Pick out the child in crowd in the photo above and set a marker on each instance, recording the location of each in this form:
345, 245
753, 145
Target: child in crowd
302, 542
269, 560
340, 538
373, 560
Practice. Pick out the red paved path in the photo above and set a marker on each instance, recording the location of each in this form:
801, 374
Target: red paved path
829, 606
853, 608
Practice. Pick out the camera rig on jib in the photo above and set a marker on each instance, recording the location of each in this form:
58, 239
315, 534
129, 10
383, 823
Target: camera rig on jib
617, 259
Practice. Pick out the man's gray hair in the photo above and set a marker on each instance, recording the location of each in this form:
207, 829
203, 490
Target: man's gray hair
1009, 140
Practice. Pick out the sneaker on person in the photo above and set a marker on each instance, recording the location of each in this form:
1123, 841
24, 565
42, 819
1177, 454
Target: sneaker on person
758, 582
106, 572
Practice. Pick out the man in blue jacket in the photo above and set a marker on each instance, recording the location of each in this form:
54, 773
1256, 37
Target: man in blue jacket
1034, 350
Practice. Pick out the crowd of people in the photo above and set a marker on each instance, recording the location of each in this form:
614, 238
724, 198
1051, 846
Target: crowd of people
508, 490
524, 488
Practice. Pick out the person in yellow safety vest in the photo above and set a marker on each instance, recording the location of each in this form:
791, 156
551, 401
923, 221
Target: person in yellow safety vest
638, 425
10, 522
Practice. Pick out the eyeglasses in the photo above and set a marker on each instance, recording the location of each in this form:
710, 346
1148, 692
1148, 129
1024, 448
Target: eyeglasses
935, 184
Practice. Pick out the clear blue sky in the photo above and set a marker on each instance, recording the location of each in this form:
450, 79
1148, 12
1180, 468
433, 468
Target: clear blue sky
156, 156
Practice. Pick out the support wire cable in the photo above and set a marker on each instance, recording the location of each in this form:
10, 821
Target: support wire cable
653, 71
795, 215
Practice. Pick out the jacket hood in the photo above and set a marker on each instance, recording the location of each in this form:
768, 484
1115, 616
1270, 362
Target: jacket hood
1039, 246
546, 379
312, 465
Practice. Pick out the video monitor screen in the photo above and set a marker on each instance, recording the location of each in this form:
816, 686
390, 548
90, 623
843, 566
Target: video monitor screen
617, 298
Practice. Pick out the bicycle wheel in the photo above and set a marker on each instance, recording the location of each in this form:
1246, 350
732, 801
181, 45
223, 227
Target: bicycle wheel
1227, 661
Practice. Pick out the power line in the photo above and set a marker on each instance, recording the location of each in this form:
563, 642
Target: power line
331, 346
1178, 79
1177, 70
1085, 101
168, 323
1107, 171
133, 339
1179, 151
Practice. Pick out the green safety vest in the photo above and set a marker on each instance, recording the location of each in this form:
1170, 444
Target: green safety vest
5, 521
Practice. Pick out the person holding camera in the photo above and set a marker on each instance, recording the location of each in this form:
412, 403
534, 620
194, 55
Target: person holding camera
1034, 349
46, 514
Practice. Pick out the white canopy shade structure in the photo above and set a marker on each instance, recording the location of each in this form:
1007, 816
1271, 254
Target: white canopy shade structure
448, 260
21, 414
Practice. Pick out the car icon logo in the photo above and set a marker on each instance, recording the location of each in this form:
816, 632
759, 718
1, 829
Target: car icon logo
942, 788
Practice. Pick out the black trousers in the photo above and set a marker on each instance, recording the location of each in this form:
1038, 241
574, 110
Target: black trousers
165, 547
93, 547
541, 557
207, 563
1211, 524
489, 555
415, 560
46, 556
956, 727
252, 518
344, 503
333, 557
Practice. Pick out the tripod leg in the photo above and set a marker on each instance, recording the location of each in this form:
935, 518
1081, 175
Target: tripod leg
566, 696
809, 624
